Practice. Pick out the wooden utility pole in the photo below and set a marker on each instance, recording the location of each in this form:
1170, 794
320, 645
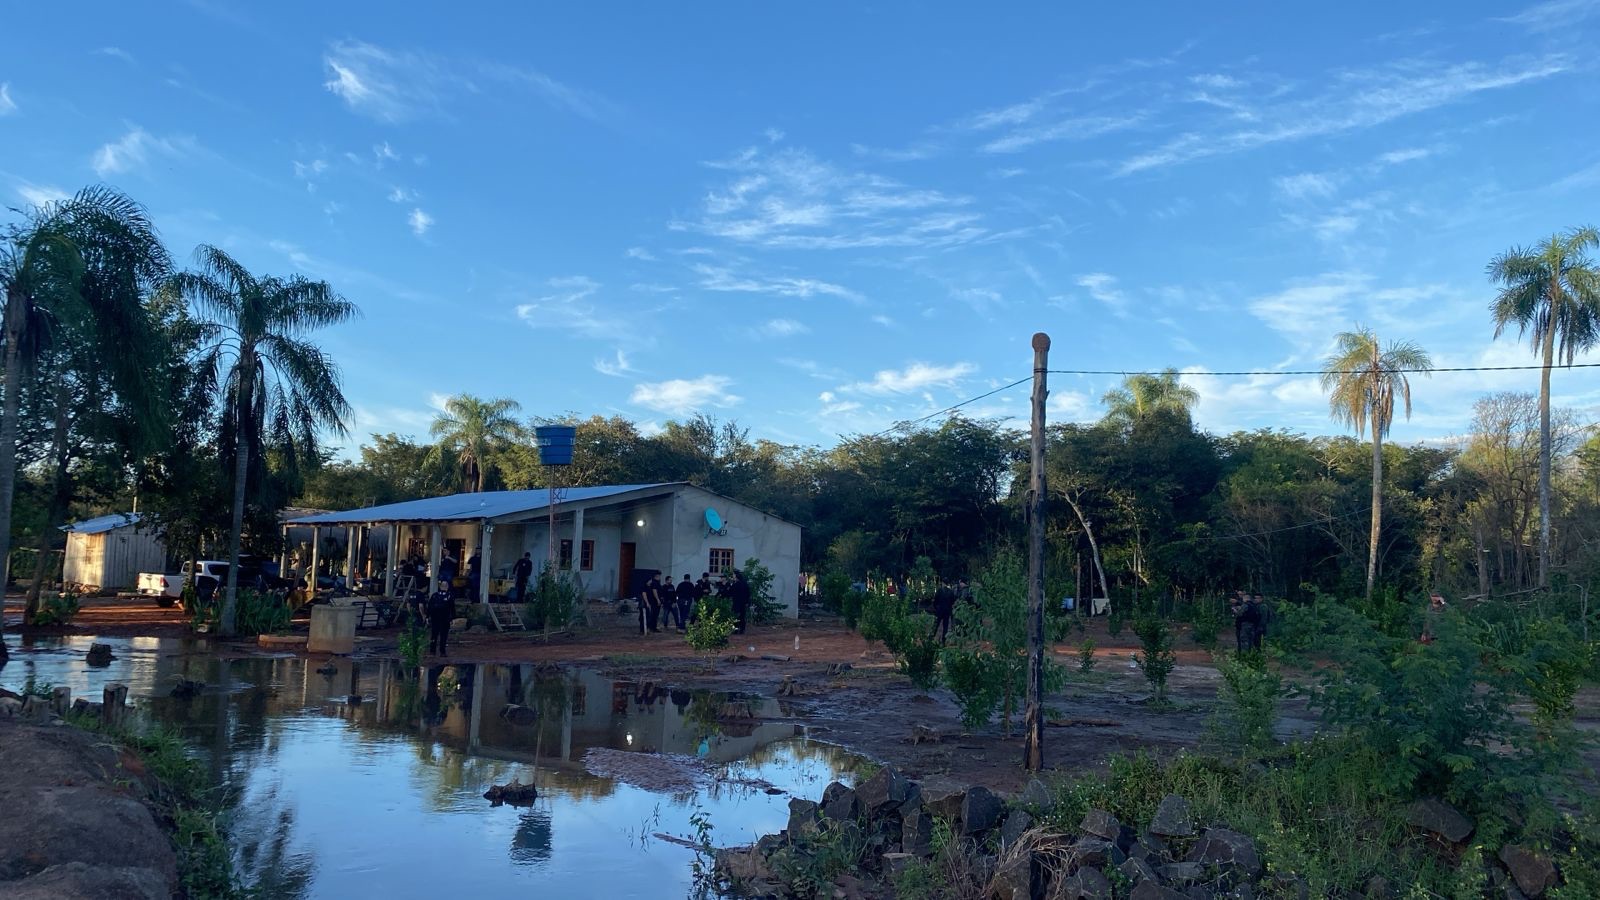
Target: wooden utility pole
1033, 717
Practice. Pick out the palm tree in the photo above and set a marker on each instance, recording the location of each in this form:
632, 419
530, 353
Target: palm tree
1144, 393
1551, 292
76, 268
474, 430
1363, 379
276, 385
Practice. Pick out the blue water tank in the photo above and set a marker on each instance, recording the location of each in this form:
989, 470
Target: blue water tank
555, 444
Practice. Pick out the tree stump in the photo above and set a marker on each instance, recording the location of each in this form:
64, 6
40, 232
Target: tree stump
115, 705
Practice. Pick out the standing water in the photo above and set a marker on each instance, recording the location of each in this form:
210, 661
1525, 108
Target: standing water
357, 778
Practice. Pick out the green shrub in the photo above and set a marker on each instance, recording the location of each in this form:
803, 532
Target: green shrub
764, 606
413, 643
711, 629
910, 635
1156, 659
554, 600
851, 606
1247, 701
986, 666
1086, 658
1208, 617
57, 609
834, 585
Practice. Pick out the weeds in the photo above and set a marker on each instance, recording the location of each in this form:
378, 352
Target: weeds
58, 609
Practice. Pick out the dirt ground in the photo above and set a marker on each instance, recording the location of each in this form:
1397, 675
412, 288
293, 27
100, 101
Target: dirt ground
868, 708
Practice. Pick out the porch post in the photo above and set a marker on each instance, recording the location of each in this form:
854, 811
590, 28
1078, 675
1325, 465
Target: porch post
577, 543
435, 545
316, 556
350, 558
394, 551
483, 562
283, 555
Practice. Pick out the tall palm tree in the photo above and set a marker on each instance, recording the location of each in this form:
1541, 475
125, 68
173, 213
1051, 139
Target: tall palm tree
473, 431
277, 387
1551, 292
1363, 379
1144, 393
76, 268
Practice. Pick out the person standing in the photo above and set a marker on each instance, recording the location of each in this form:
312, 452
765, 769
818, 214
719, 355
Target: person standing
448, 567
1431, 616
944, 608
522, 571
1237, 604
739, 592
441, 609
686, 596
652, 603
1263, 615
474, 575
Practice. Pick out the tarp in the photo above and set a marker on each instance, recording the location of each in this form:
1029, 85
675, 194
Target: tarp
470, 507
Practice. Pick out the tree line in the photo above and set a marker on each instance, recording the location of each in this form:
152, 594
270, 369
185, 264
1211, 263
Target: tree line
199, 394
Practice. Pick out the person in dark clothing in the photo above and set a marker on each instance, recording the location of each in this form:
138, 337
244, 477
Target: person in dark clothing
474, 575
1262, 615
441, 609
522, 571
702, 588
739, 592
652, 604
448, 567
1237, 606
944, 608
686, 597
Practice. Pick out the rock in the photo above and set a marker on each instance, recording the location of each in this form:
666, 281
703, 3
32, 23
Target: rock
802, 817
1182, 874
1154, 890
83, 707
1138, 871
1016, 878
78, 879
1101, 824
885, 790
1156, 847
99, 655
11, 706
922, 734
517, 714
1016, 825
787, 689
458, 624
1173, 818
845, 806
186, 689
916, 833
1090, 851
945, 805
1379, 888
895, 863
1439, 818
1085, 884
477, 629
743, 866
514, 793
1533, 872
1037, 796
980, 810
1227, 849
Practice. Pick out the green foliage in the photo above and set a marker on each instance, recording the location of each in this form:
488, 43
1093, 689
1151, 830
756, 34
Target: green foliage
834, 585
1247, 701
852, 606
58, 609
764, 606
711, 628
811, 868
258, 612
1116, 618
986, 666
413, 643
910, 635
1156, 659
1209, 615
553, 599
1086, 658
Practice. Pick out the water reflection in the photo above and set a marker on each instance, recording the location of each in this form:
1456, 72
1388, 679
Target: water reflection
361, 777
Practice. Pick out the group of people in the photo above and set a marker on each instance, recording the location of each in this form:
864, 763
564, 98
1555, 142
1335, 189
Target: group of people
663, 602
1251, 616
415, 568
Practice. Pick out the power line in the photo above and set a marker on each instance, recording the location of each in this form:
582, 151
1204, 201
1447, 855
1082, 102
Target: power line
1320, 371
950, 409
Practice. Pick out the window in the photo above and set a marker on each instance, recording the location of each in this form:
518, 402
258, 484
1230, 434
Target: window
585, 558
721, 560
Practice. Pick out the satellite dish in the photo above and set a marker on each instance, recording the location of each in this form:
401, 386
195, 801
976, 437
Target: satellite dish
713, 519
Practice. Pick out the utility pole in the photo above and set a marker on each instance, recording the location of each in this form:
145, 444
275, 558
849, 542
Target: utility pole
1033, 717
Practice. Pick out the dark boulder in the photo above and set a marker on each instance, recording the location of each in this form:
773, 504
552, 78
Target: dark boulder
1016, 825
883, 791
1085, 884
1229, 850
1173, 818
1101, 824
1439, 818
980, 810
1533, 873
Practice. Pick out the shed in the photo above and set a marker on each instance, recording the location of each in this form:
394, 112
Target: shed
109, 552
604, 535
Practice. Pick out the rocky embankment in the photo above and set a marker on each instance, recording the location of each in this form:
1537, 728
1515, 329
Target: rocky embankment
862, 841
78, 818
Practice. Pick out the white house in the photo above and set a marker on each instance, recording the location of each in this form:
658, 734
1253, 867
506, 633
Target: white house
608, 535
109, 552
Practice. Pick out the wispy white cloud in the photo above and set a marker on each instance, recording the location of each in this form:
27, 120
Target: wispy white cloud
117, 53
132, 151
682, 396
1310, 311
1075, 128
1555, 14
915, 377
780, 328
1103, 287
719, 278
568, 305
1306, 185
833, 406
1353, 100
419, 221
616, 367
7, 105
402, 195
1405, 155
40, 194
640, 254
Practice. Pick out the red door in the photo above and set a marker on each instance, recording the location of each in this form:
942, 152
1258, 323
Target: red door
625, 569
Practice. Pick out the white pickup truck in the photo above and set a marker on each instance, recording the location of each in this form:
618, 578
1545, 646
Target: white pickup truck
168, 588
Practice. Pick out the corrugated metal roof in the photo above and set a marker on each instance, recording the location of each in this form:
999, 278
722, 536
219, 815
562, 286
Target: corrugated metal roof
468, 507
102, 524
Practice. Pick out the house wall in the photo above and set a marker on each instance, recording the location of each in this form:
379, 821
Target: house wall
112, 560
751, 533
609, 528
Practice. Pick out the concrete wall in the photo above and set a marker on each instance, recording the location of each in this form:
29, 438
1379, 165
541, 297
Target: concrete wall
750, 533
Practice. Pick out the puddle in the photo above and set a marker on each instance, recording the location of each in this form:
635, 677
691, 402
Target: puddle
364, 780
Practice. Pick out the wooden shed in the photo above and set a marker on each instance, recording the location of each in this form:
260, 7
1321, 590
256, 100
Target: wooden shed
109, 552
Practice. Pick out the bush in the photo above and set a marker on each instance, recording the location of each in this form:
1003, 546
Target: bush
986, 666
711, 628
907, 633
1086, 658
1208, 617
413, 642
851, 607
764, 607
834, 586
57, 609
1247, 707
554, 600
1156, 660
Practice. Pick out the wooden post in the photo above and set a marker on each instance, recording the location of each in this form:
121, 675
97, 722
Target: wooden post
350, 558
394, 559
114, 705
483, 562
61, 700
1033, 716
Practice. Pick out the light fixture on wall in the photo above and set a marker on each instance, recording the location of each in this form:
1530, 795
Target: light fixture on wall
640, 523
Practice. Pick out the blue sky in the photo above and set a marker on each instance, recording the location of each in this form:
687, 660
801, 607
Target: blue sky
818, 221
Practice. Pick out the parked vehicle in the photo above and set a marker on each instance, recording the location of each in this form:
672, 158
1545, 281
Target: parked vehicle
168, 589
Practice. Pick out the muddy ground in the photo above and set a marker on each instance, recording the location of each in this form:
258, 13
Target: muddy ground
868, 708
